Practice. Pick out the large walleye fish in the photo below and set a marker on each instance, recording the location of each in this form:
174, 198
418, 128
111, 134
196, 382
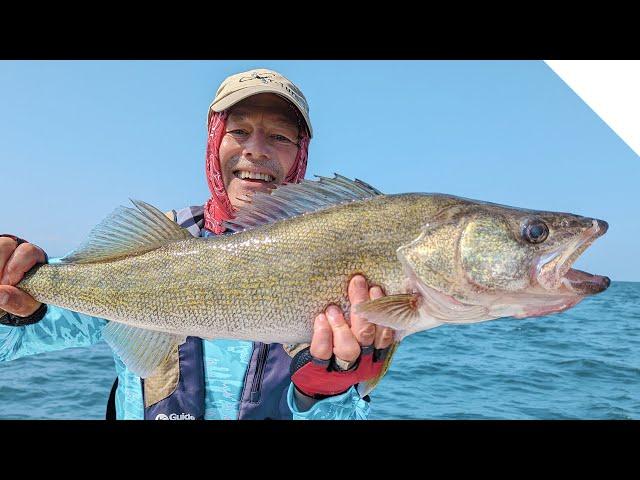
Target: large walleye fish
439, 258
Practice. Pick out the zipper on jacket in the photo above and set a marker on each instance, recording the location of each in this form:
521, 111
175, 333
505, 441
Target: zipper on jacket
256, 383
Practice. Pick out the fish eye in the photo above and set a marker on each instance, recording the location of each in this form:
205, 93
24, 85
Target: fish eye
535, 231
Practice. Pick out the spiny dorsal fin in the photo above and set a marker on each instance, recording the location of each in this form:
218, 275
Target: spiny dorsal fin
294, 199
126, 232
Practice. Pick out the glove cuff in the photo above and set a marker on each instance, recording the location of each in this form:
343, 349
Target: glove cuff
16, 321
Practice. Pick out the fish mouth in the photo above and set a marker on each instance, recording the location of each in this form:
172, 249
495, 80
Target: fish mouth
553, 271
584, 283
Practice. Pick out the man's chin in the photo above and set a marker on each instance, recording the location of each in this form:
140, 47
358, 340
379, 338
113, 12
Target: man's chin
256, 187
248, 188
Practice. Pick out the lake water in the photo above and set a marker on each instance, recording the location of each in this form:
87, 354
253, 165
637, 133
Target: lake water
580, 364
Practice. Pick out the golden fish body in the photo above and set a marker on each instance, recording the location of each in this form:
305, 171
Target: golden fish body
439, 259
266, 284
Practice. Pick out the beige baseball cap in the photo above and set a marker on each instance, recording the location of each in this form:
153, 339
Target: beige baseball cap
242, 85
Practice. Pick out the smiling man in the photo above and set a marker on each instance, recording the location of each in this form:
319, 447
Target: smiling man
258, 137
261, 118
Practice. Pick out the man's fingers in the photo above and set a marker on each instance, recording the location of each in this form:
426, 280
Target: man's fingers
23, 259
345, 345
17, 302
384, 335
322, 340
7, 246
363, 330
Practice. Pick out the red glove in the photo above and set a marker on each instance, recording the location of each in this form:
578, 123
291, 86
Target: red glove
323, 378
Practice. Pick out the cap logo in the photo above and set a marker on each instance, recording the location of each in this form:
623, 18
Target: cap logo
265, 77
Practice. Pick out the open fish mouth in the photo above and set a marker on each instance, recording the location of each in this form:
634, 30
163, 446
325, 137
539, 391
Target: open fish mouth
554, 272
584, 283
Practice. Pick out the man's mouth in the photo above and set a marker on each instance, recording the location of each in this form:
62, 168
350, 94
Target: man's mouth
258, 177
554, 271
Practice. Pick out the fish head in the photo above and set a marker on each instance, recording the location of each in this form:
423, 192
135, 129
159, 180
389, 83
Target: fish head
479, 261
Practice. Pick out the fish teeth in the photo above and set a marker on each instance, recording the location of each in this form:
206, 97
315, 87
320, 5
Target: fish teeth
255, 176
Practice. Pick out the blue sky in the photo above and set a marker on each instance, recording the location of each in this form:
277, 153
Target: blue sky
78, 138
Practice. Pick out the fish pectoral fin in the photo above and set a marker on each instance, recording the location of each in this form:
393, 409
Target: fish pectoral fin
142, 351
126, 232
399, 312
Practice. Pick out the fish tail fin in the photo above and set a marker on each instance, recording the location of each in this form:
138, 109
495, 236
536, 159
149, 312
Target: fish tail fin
365, 388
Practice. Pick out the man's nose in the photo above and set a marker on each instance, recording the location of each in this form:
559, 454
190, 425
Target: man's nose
256, 147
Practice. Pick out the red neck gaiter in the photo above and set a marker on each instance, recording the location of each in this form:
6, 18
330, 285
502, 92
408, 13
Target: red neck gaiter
218, 208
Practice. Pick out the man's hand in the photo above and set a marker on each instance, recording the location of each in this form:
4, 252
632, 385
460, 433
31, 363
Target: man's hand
332, 335
15, 261
347, 343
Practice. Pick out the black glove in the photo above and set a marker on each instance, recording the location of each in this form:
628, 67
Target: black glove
15, 321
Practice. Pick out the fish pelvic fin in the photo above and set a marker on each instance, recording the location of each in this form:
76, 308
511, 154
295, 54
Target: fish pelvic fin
295, 199
128, 232
365, 388
400, 312
142, 351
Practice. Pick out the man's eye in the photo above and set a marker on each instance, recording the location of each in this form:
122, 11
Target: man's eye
281, 138
237, 132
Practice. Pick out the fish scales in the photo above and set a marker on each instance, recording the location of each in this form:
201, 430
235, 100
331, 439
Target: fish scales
440, 259
265, 284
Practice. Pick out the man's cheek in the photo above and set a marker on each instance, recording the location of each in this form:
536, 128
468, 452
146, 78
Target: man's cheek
233, 188
228, 178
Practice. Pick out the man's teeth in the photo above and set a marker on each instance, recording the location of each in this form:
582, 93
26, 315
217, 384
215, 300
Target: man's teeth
255, 176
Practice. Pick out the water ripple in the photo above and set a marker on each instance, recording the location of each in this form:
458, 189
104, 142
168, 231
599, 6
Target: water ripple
580, 364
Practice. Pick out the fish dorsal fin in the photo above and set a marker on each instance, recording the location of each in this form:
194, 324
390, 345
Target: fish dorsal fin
295, 199
126, 232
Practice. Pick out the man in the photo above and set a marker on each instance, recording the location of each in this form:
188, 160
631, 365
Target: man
258, 136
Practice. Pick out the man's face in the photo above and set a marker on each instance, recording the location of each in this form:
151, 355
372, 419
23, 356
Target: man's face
259, 147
